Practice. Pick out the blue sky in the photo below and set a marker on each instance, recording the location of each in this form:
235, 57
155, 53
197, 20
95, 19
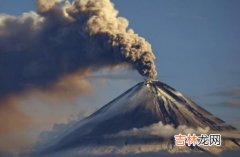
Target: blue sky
196, 44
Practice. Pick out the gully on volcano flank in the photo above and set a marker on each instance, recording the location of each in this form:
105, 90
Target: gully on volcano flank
147, 116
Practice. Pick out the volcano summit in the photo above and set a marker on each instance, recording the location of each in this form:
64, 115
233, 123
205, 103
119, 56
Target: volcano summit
143, 119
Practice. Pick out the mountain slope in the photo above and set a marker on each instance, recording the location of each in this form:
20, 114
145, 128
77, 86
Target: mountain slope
143, 105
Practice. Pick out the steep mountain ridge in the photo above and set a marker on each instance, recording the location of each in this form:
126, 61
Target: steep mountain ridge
143, 105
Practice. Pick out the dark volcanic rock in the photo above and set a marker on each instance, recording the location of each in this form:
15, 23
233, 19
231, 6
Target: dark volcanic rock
142, 105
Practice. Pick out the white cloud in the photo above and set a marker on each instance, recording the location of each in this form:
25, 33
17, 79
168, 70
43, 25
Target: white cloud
161, 130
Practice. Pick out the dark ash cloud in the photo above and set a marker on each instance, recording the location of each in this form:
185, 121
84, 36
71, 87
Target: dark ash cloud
39, 48
49, 53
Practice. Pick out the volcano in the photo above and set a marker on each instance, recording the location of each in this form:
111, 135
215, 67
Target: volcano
145, 104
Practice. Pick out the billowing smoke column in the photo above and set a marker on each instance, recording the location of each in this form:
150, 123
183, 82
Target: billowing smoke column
37, 49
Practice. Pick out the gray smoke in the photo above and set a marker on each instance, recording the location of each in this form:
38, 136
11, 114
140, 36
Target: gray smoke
37, 49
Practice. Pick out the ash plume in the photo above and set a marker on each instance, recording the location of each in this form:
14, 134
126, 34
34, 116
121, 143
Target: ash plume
37, 49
